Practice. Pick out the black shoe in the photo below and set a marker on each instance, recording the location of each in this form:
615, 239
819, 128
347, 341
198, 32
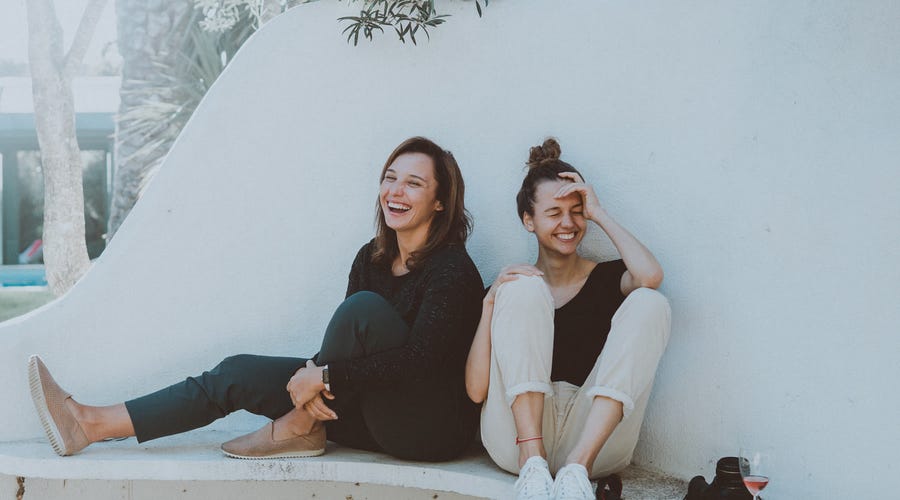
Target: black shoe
609, 488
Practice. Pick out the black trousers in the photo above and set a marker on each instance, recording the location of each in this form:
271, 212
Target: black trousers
423, 420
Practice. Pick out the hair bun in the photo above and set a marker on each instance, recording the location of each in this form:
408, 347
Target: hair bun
546, 152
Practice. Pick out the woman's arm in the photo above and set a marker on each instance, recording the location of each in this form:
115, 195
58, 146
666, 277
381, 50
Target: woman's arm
643, 270
478, 364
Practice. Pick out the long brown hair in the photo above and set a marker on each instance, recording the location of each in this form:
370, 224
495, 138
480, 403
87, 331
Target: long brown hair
451, 225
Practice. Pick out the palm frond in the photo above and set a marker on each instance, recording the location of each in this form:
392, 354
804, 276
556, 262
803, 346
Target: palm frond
164, 106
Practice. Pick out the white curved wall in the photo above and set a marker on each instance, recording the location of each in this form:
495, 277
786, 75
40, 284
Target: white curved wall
752, 146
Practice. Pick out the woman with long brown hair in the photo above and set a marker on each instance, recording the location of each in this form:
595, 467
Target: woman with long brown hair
389, 374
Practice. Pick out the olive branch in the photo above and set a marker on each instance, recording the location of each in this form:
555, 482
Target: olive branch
406, 17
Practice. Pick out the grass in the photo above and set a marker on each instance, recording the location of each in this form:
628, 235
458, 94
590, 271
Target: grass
16, 301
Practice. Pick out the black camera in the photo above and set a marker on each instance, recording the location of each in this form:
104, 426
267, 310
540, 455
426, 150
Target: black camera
727, 485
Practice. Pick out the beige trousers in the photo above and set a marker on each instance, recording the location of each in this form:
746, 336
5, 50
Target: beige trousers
521, 359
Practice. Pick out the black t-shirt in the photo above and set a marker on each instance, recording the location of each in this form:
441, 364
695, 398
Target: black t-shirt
582, 324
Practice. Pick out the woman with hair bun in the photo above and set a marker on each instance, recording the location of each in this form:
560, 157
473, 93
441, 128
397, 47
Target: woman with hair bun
566, 351
389, 375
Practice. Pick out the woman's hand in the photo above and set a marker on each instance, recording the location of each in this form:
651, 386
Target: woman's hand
509, 273
318, 409
306, 384
589, 200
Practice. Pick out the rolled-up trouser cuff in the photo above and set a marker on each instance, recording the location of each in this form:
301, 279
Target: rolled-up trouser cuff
524, 387
625, 399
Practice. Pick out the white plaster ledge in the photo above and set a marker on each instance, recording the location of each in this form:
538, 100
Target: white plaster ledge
195, 456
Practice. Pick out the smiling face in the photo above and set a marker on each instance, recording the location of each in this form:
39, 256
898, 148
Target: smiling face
558, 223
408, 196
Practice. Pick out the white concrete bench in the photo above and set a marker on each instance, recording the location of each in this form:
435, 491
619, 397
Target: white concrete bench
243, 241
195, 456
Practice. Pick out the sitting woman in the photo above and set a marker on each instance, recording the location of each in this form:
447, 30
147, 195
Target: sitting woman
390, 373
590, 335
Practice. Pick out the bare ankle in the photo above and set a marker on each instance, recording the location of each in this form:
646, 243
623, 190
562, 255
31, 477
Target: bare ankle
294, 423
581, 459
84, 418
530, 449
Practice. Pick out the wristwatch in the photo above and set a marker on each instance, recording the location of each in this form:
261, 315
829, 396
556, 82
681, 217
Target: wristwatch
326, 379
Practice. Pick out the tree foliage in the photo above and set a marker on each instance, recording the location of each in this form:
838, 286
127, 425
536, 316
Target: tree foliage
405, 17
162, 108
171, 54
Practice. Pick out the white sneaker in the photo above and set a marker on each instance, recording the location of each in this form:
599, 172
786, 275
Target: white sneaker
534, 481
572, 483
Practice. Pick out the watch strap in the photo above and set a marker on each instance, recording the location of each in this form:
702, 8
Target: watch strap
326, 378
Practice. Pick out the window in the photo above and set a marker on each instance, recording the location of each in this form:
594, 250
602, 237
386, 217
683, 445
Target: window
22, 189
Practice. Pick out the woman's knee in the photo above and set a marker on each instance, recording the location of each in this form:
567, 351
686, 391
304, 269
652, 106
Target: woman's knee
647, 311
361, 304
651, 295
525, 292
364, 323
235, 365
649, 302
364, 299
522, 323
367, 307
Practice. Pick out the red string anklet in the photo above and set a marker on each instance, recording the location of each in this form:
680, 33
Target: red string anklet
535, 438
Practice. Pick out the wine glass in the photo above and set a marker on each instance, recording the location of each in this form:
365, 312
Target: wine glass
755, 465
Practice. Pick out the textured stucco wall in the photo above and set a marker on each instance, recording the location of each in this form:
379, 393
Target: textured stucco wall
752, 146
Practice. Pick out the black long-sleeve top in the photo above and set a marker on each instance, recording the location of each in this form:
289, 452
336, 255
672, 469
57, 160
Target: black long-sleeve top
440, 300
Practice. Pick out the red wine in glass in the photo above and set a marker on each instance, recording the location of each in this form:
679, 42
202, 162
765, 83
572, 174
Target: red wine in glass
755, 465
755, 484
